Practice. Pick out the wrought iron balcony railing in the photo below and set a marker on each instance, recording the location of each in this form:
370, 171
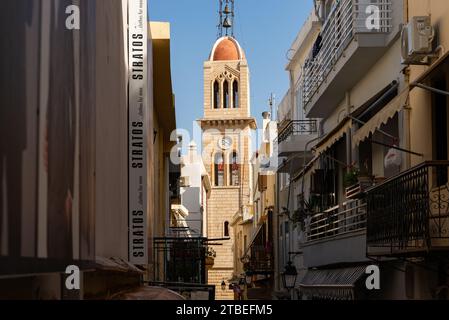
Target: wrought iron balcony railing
180, 260
343, 219
261, 260
297, 127
348, 18
409, 213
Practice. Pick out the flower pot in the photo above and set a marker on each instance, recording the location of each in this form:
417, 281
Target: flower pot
210, 261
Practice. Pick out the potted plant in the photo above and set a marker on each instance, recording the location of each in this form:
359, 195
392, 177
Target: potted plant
210, 256
364, 177
351, 178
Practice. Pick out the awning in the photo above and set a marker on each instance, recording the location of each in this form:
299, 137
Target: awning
431, 71
253, 238
331, 284
312, 165
382, 117
334, 136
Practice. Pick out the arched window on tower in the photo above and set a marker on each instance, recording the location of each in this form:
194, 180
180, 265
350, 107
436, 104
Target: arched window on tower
225, 94
234, 169
235, 94
226, 229
219, 170
216, 95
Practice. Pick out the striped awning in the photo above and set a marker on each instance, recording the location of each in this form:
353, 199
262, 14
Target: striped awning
254, 236
331, 284
382, 117
333, 137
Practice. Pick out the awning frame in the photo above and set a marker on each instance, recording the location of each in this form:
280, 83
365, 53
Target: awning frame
429, 88
397, 104
422, 78
333, 137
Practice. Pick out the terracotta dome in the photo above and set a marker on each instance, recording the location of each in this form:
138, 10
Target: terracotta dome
226, 48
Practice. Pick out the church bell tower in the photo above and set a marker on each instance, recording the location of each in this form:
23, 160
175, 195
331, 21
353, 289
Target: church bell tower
227, 127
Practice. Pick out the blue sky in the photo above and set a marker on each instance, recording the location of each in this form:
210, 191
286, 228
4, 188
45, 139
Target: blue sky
265, 30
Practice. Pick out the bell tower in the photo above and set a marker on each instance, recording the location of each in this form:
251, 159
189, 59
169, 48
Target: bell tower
227, 129
226, 23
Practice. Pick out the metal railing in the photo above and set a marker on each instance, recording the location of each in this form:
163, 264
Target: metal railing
343, 219
410, 212
297, 127
180, 260
348, 18
261, 260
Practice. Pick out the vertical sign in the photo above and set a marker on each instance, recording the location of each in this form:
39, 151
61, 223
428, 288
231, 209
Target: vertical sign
137, 131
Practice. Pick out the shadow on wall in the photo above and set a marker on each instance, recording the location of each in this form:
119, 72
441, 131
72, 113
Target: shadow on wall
13, 97
39, 109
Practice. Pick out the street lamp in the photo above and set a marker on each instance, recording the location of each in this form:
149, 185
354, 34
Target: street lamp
289, 276
223, 285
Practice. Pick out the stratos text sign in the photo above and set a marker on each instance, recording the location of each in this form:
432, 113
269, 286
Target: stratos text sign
137, 131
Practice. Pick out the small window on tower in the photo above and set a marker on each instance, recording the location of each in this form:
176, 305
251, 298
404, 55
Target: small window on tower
226, 94
216, 95
226, 229
235, 94
234, 169
219, 170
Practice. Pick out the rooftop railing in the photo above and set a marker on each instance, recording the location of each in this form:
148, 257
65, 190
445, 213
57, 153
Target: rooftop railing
298, 127
347, 18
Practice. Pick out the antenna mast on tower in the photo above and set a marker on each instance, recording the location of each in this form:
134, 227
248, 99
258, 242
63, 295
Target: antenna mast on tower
272, 103
226, 23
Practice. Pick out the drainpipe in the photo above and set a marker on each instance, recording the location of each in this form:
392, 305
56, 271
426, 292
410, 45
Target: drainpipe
276, 238
407, 110
405, 119
406, 14
293, 114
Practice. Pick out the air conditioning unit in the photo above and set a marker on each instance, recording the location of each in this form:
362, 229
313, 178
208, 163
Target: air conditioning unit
417, 38
184, 182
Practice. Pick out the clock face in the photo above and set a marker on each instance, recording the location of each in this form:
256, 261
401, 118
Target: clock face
225, 143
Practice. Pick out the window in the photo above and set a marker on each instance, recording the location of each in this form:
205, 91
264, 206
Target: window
219, 170
226, 229
235, 94
234, 170
216, 95
226, 94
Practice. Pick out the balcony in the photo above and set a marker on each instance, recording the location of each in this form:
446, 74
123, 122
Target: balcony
408, 215
337, 235
180, 260
295, 135
346, 51
261, 260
